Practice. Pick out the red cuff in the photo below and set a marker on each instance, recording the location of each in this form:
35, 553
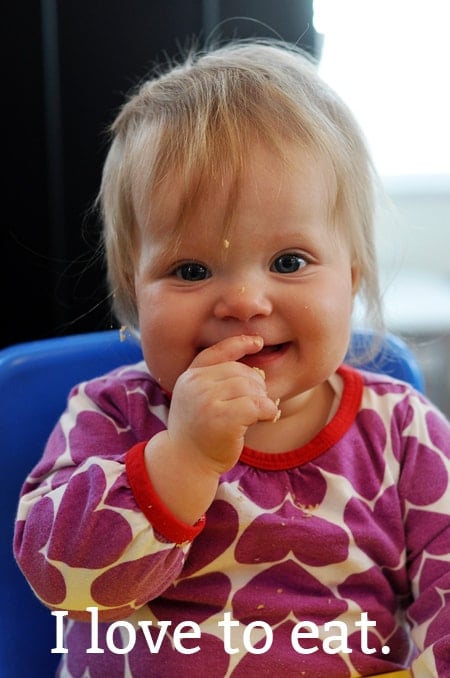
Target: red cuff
162, 520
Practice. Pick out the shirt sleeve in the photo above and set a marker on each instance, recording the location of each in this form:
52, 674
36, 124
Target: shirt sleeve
81, 536
151, 505
425, 489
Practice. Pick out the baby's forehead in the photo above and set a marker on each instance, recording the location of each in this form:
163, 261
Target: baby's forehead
179, 216
185, 199
268, 191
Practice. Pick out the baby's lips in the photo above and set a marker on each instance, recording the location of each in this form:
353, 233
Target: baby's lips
230, 348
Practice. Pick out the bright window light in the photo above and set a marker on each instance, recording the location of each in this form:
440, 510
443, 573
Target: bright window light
389, 60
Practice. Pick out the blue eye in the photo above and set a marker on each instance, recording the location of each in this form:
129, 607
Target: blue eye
288, 263
192, 272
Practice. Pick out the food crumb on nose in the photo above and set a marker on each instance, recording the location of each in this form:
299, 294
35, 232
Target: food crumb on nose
226, 243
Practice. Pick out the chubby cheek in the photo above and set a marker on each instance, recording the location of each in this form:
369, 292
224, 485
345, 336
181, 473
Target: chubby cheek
336, 323
324, 321
161, 339
164, 358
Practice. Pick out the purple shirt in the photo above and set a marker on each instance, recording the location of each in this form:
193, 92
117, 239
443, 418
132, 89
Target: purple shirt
329, 560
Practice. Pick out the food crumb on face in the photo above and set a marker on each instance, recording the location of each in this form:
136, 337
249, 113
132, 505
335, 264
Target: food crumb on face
260, 371
226, 243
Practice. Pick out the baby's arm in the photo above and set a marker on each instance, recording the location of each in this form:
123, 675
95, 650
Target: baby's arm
213, 404
425, 485
80, 537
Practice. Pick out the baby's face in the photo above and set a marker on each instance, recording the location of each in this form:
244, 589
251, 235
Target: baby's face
279, 272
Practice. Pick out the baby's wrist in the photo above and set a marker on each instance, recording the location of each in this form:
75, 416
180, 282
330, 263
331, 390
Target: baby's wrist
180, 477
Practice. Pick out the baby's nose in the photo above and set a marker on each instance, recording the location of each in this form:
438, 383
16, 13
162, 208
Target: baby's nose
243, 301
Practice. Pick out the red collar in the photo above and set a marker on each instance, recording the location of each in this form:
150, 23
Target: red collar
324, 439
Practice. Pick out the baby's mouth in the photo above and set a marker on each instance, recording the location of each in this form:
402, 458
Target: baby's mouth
270, 348
265, 355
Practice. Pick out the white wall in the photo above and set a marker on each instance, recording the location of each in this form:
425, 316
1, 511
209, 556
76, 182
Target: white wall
413, 239
414, 233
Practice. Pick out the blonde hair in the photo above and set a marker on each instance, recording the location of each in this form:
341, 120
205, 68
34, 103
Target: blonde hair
198, 121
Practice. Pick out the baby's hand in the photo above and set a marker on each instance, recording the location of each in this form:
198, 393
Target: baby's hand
215, 401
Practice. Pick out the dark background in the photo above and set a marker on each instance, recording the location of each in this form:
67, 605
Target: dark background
67, 67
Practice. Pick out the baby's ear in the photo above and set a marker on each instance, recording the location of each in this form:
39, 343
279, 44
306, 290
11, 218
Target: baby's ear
356, 278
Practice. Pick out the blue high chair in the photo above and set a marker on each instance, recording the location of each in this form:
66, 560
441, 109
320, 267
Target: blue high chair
35, 379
